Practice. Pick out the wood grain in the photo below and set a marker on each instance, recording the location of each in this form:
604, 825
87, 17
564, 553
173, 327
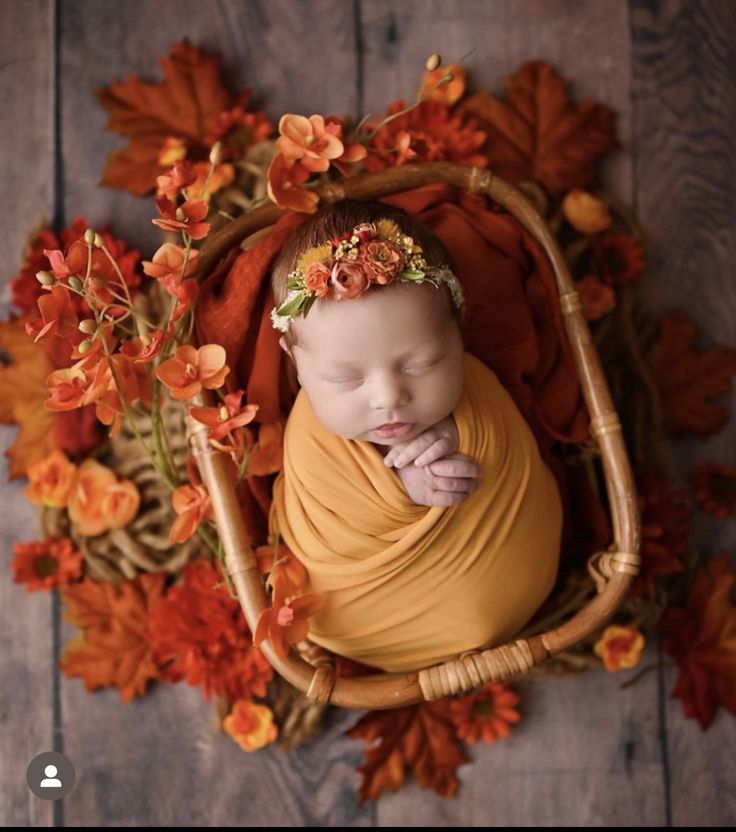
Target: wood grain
683, 66
26, 623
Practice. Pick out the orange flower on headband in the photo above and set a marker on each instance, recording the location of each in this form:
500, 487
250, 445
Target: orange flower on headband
373, 253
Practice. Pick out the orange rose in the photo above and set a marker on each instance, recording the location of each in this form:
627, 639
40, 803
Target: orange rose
251, 725
381, 261
349, 279
99, 502
50, 480
317, 277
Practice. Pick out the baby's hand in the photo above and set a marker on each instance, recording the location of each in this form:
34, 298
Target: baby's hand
445, 482
439, 441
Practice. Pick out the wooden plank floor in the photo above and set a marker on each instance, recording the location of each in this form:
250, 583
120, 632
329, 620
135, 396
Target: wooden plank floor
586, 753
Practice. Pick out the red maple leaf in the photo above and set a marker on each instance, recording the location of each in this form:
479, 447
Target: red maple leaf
687, 381
538, 134
420, 737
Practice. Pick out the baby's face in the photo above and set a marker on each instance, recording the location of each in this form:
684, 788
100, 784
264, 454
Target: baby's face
394, 354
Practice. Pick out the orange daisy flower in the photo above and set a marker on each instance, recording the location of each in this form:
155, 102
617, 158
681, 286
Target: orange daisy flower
620, 258
486, 714
44, 564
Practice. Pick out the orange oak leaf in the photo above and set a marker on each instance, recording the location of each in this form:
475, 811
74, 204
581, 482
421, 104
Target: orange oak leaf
537, 133
420, 737
701, 637
186, 105
114, 647
687, 380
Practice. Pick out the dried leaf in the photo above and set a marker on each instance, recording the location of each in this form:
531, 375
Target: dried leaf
687, 380
420, 737
186, 104
114, 647
538, 134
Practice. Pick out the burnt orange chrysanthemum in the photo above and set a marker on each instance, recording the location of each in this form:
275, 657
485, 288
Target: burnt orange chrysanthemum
44, 564
203, 635
619, 647
435, 134
714, 487
620, 258
238, 130
251, 725
487, 714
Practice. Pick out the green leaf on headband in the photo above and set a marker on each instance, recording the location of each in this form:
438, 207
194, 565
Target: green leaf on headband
291, 307
412, 274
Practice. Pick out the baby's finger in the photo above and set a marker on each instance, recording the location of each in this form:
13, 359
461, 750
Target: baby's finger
439, 449
410, 451
454, 484
456, 467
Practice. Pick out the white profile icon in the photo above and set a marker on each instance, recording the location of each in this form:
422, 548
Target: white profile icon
51, 779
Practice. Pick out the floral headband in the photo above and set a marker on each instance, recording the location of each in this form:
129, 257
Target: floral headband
375, 252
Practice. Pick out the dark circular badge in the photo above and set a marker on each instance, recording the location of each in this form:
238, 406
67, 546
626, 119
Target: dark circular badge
50, 775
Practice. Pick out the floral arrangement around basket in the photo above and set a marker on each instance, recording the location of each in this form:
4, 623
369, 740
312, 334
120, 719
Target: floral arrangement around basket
130, 541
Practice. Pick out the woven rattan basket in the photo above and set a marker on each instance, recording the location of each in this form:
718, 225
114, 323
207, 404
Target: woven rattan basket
313, 671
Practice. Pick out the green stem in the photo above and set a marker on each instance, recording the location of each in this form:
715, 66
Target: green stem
168, 469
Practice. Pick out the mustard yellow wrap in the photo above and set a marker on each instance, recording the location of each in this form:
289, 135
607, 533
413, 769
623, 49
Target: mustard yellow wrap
409, 586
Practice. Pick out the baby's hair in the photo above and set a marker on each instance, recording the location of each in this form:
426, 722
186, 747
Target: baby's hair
337, 218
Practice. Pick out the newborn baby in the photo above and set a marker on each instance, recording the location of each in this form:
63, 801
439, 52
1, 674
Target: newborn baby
393, 417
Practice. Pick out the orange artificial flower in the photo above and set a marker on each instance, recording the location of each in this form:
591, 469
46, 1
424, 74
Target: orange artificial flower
585, 212
619, 647
67, 388
172, 150
449, 92
714, 488
191, 369
50, 480
307, 141
435, 133
181, 175
271, 559
239, 130
620, 258
44, 564
144, 348
99, 502
168, 262
352, 152
57, 315
192, 504
596, 297
486, 714
192, 212
231, 415
250, 725
222, 175
285, 178
286, 622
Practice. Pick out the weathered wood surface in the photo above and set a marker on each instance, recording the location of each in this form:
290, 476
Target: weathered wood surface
586, 753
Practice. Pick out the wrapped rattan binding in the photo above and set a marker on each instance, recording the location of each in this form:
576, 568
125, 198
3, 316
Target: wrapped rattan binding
612, 571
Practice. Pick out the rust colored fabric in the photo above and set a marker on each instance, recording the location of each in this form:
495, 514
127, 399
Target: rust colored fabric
513, 324
410, 586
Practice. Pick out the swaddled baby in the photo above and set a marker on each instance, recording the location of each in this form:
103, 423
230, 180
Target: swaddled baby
413, 490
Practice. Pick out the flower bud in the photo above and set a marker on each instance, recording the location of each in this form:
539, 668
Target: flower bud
84, 346
180, 215
89, 236
215, 153
433, 61
75, 283
45, 278
447, 78
223, 414
99, 242
88, 326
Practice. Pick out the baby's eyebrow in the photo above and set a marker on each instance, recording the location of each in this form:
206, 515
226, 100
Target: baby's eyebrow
350, 365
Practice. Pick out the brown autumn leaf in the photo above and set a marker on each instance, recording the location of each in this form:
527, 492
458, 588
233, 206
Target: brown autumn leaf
114, 646
687, 380
701, 637
537, 133
420, 737
22, 393
185, 105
